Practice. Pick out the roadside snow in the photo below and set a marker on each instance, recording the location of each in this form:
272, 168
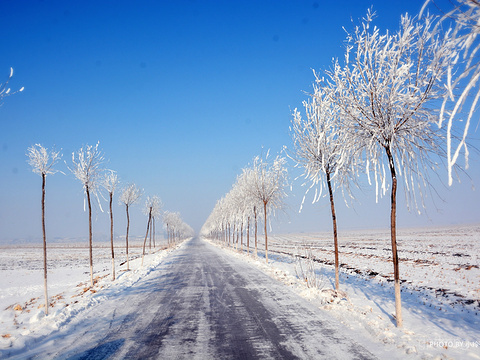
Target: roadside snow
440, 322
22, 315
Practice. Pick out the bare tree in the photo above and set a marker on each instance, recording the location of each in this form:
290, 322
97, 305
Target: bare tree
42, 161
153, 207
110, 183
385, 90
129, 196
322, 148
87, 169
269, 181
5, 90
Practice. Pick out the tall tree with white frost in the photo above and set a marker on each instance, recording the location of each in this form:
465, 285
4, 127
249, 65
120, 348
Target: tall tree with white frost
269, 181
323, 148
42, 161
110, 183
129, 196
385, 90
87, 169
5, 90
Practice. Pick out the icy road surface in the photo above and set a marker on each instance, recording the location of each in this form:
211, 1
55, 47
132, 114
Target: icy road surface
201, 303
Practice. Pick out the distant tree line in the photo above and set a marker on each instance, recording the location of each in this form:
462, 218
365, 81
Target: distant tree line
258, 191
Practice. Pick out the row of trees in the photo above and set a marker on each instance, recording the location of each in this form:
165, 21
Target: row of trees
258, 190
381, 111
87, 167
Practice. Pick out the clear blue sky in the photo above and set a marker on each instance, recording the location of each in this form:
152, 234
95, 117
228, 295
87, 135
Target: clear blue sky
181, 95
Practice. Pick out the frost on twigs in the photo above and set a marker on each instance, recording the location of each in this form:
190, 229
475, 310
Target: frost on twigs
130, 195
87, 168
110, 181
153, 206
41, 160
5, 90
461, 83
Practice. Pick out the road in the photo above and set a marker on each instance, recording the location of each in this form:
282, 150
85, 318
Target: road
202, 303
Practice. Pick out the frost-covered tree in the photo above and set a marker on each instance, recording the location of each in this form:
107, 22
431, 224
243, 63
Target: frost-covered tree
153, 208
167, 221
42, 161
176, 228
322, 147
110, 183
87, 169
249, 203
129, 196
5, 90
216, 224
387, 90
460, 101
269, 181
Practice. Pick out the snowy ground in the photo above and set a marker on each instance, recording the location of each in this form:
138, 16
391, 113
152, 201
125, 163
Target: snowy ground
21, 280
440, 289
440, 269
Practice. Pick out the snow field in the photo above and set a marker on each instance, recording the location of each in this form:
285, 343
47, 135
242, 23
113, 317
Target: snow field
440, 288
22, 316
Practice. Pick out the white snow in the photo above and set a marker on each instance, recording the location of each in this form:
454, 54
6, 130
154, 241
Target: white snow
437, 324
22, 317
440, 294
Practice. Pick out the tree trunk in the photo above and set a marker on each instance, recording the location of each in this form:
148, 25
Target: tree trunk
153, 226
255, 214
224, 237
169, 236
90, 236
44, 179
111, 236
393, 236
229, 234
266, 238
248, 236
146, 235
126, 237
241, 238
335, 239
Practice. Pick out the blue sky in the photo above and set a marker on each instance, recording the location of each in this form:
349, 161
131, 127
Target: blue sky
181, 96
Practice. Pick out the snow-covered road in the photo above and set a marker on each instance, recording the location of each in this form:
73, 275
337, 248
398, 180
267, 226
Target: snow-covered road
203, 303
